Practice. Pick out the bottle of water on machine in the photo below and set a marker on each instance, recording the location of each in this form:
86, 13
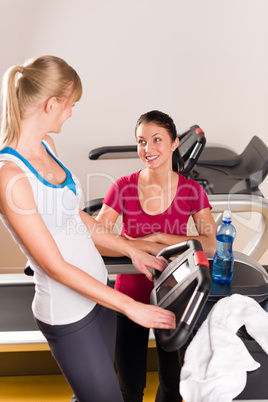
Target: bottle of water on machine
223, 261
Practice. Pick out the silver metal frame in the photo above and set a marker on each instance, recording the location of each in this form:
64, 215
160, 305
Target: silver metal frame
258, 244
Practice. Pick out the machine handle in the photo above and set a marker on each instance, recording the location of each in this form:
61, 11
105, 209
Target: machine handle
173, 340
179, 248
191, 161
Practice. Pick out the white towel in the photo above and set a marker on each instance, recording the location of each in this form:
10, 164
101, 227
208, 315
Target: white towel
216, 361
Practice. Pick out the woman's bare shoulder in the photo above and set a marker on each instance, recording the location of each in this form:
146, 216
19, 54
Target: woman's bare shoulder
8, 169
11, 175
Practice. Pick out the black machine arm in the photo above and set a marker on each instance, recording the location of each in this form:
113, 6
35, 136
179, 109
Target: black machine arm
183, 287
190, 147
93, 206
114, 152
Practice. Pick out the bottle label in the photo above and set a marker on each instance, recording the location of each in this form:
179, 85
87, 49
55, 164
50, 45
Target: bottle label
224, 246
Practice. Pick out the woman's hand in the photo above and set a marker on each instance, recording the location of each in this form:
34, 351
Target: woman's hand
143, 262
150, 316
150, 237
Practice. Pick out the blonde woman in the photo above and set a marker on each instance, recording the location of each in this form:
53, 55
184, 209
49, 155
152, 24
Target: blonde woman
39, 203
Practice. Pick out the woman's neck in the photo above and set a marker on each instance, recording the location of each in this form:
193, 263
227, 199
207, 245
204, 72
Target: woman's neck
166, 179
157, 190
31, 137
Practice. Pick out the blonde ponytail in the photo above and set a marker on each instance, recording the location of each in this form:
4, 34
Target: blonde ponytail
11, 111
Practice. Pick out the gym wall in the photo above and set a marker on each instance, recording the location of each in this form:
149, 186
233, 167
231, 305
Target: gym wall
203, 62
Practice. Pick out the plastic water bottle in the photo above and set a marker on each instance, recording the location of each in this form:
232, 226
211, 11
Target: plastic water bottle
223, 261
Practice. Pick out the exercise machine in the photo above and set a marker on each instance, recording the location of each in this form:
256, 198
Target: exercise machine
183, 288
186, 288
244, 196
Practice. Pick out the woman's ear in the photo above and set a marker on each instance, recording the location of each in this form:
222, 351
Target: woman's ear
175, 144
51, 104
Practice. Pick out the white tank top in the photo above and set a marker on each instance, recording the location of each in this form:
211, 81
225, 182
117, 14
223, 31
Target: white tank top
54, 303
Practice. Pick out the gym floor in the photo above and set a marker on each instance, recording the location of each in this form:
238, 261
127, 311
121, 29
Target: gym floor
52, 388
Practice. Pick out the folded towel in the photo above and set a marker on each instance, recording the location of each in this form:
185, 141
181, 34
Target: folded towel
216, 361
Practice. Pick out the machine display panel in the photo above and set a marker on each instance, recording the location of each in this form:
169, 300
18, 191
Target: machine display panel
172, 280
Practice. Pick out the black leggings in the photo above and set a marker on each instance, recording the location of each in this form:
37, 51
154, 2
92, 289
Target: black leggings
84, 351
131, 357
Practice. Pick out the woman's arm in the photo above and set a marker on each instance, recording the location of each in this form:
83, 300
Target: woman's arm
205, 227
113, 245
203, 221
108, 217
18, 206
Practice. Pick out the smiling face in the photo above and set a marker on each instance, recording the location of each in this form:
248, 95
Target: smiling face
155, 146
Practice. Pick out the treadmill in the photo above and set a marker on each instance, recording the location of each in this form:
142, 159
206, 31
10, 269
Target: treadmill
197, 161
21, 328
186, 289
